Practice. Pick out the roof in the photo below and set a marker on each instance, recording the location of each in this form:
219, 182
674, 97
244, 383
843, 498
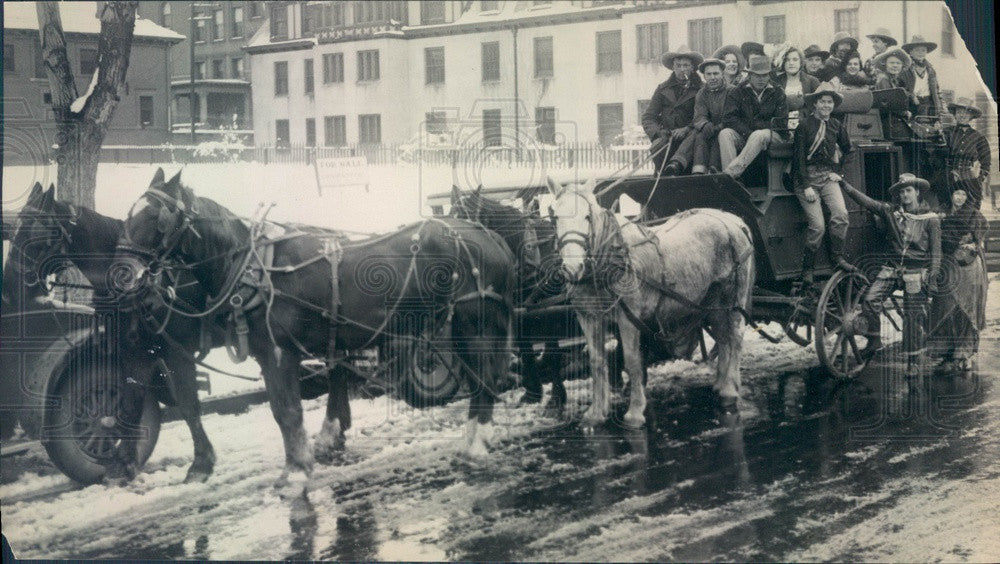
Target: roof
79, 17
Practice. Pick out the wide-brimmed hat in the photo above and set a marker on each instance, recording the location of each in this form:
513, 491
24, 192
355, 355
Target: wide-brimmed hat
966, 103
814, 51
879, 61
721, 53
822, 89
919, 41
840, 37
751, 48
712, 61
759, 64
883, 34
682, 52
908, 179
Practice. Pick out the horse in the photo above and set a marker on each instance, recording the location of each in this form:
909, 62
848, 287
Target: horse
436, 275
696, 269
47, 232
540, 282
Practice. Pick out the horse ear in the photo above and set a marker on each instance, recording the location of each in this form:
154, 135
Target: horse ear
35, 191
175, 180
158, 178
554, 187
48, 198
456, 195
479, 190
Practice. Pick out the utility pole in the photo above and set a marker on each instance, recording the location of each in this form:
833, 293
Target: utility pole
517, 102
194, 24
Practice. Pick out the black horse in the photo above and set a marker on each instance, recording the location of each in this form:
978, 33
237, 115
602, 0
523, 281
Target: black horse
319, 297
546, 317
49, 232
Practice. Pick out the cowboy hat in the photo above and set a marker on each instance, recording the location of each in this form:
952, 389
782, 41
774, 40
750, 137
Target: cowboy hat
908, 179
751, 48
841, 37
966, 103
879, 61
712, 61
822, 89
759, 64
721, 53
681, 53
883, 34
919, 41
814, 51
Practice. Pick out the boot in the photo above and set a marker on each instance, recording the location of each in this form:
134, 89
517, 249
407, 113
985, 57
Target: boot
837, 254
808, 265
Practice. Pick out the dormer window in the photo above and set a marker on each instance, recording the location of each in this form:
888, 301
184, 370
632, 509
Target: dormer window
432, 12
488, 6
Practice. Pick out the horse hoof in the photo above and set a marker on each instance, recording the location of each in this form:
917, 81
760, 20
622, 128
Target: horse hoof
477, 451
292, 485
529, 398
728, 403
634, 421
553, 410
197, 475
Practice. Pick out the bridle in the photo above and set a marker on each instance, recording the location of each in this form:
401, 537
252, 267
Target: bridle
167, 224
574, 237
22, 262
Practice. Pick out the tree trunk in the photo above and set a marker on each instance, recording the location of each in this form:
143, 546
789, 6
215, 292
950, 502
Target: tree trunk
81, 133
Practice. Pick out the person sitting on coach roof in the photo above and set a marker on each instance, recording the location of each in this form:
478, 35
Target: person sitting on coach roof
735, 72
709, 109
842, 45
750, 49
969, 156
852, 77
881, 39
747, 122
790, 78
921, 79
814, 59
667, 120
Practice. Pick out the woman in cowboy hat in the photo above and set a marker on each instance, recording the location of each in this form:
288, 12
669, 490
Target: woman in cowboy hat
969, 155
958, 313
735, 71
921, 79
891, 65
852, 77
914, 263
814, 57
881, 40
667, 119
820, 146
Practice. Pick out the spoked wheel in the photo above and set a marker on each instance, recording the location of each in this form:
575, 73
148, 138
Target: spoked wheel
430, 374
840, 326
89, 423
799, 325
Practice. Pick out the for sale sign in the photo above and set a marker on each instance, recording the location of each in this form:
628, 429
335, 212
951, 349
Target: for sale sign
341, 171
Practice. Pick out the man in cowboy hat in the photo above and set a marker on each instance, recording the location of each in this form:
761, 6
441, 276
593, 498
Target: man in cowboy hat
881, 39
709, 109
820, 146
813, 58
843, 44
921, 79
915, 263
746, 124
667, 120
751, 48
968, 156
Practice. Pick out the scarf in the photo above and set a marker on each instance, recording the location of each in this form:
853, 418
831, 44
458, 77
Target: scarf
817, 141
860, 79
722, 84
920, 67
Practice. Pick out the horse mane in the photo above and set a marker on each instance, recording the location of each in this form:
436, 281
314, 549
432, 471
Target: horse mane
104, 224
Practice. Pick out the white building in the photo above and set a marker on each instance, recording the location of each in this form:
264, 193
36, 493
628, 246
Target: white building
335, 73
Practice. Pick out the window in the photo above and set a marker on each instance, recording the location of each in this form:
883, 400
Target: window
368, 65
333, 68
947, 33
370, 129
543, 57
609, 51
368, 11
165, 14
774, 29
237, 67
279, 21
310, 17
281, 78
335, 131
492, 132
255, 11
486, 6
332, 15
643, 104
145, 111
436, 122
281, 136
308, 74
199, 29
651, 42
432, 12
9, 59
846, 20
705, 35
88, 61
237, 19
491, 61
199, 70
219, 68
39, 60
609, 122
434, 65
310, 132
545, 125
218, 26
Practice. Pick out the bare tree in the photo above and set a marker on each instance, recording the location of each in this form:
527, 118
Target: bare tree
82, 122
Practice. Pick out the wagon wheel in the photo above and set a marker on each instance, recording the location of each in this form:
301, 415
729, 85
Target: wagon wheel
840, 326
799, 325
86, 427
431, 373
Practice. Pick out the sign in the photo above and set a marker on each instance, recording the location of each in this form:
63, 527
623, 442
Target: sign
341, 171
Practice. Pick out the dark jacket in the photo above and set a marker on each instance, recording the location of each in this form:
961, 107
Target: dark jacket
745, 113
809, 85
916, 242
710, 107
836, 136
831, 68
672, 106
909, 79
965, 146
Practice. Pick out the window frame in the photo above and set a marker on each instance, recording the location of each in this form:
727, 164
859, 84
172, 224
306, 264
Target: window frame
282, 34
541, 72
364, 130
310, 132
602, 124
853, 23
151, 109
331, 131
490, 64
220, 65
434, 74
427, 18
696, 34
371, 66
545, 124
309, 76
236, 67
491, 138
658, 30
280, 86
777, 18
218, 25
237, 26
604, 57
277, 133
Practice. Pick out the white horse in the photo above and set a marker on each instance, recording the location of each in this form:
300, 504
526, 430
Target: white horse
694, 270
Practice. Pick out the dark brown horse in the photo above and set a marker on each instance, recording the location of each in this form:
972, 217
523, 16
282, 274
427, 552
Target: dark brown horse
320, 298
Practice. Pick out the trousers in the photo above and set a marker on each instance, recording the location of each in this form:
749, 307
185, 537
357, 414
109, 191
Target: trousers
829, 192
737, 153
